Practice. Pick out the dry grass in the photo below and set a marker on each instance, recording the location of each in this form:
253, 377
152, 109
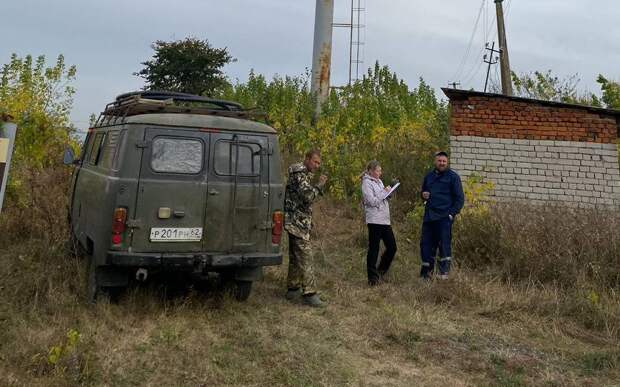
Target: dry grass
477, 329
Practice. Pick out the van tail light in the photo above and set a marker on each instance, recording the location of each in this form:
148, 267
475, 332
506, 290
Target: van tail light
118, 225
277, 222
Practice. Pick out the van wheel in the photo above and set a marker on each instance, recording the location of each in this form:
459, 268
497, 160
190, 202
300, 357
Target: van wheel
243, 290
237, 288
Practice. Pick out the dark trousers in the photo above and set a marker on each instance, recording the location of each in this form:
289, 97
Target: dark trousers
436, 235
377, 233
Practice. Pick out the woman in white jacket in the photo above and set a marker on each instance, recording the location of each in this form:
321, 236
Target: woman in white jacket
377, 211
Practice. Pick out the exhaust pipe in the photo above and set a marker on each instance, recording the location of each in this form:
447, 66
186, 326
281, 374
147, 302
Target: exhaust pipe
142, 274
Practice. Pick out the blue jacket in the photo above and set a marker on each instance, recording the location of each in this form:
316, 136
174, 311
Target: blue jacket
447, 196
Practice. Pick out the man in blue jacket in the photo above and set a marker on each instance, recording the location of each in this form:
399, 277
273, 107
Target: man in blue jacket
443, 195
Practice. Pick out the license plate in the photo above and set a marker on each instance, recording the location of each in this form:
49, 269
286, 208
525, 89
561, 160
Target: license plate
168, 234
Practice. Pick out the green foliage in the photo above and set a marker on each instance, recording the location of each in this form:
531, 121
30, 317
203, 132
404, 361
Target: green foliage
57, 352
40, 100
190, 66
546, 86
477, 192
378, 117
611, 92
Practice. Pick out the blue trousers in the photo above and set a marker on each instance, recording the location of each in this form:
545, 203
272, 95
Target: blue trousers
436, 235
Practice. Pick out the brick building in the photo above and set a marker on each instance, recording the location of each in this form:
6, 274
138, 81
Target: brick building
538, 151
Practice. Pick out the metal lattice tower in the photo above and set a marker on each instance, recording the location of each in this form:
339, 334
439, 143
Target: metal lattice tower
356, 28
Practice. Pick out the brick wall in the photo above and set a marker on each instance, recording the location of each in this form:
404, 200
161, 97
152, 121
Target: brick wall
536, 150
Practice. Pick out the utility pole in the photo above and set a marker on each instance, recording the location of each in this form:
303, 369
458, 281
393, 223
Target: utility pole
503, 48
322, 53
490, 61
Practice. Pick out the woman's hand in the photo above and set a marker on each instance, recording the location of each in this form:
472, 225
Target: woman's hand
387, 188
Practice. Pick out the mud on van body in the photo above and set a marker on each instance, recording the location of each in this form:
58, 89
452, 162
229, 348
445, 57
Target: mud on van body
174, 182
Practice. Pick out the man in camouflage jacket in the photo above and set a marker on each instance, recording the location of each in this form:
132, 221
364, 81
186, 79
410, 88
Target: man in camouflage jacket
300, 194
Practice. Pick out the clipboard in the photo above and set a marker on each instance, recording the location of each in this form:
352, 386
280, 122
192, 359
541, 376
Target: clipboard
391, 191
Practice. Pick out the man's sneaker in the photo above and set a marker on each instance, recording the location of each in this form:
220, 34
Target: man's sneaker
292, 294
443, 277
313, 300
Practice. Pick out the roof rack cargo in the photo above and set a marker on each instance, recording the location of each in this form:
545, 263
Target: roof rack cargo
150, 102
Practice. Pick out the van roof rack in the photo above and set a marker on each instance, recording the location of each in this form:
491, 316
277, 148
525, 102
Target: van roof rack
152, 102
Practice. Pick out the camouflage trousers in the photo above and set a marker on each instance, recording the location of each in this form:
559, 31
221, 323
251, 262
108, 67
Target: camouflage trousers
300, 271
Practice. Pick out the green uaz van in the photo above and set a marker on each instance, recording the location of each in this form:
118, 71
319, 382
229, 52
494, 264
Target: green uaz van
176, 182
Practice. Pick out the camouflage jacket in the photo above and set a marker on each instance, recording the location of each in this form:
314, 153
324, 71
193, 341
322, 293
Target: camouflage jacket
300, 194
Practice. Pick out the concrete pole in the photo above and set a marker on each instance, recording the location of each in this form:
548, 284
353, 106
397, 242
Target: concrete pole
8, 131
322, 53
503, 48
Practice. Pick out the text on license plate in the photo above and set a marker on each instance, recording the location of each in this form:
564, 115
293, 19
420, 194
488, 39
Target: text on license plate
168, 234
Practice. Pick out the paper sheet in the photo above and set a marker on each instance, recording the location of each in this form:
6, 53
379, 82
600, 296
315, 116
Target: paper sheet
391, 191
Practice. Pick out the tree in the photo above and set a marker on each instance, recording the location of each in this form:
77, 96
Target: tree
378, 117
189, 66
40, 100
546, 86
611, 92
39, 97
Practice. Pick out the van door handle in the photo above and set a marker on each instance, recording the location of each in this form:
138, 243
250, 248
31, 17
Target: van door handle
179, 214
214, 192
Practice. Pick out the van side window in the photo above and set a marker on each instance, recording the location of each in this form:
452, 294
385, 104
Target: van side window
109, 149
226, 157
88, 144
93, 154
177, 155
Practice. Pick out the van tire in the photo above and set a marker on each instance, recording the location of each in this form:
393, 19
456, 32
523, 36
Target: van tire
242, 290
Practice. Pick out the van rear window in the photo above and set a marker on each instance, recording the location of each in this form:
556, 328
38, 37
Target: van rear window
226, 157
177, 155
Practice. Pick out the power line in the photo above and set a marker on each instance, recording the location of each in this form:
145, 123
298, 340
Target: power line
471, 41
477, 66
474, 71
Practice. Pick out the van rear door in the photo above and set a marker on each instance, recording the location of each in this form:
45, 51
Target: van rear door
237, 218
172, 191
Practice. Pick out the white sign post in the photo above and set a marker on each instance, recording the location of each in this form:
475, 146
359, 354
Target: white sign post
7, 141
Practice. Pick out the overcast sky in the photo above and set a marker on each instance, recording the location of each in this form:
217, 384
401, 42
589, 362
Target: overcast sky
107, 39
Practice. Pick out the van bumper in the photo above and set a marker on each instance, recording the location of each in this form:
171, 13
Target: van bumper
192, 260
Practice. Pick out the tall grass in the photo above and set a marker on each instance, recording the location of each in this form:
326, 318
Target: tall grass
546, 244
